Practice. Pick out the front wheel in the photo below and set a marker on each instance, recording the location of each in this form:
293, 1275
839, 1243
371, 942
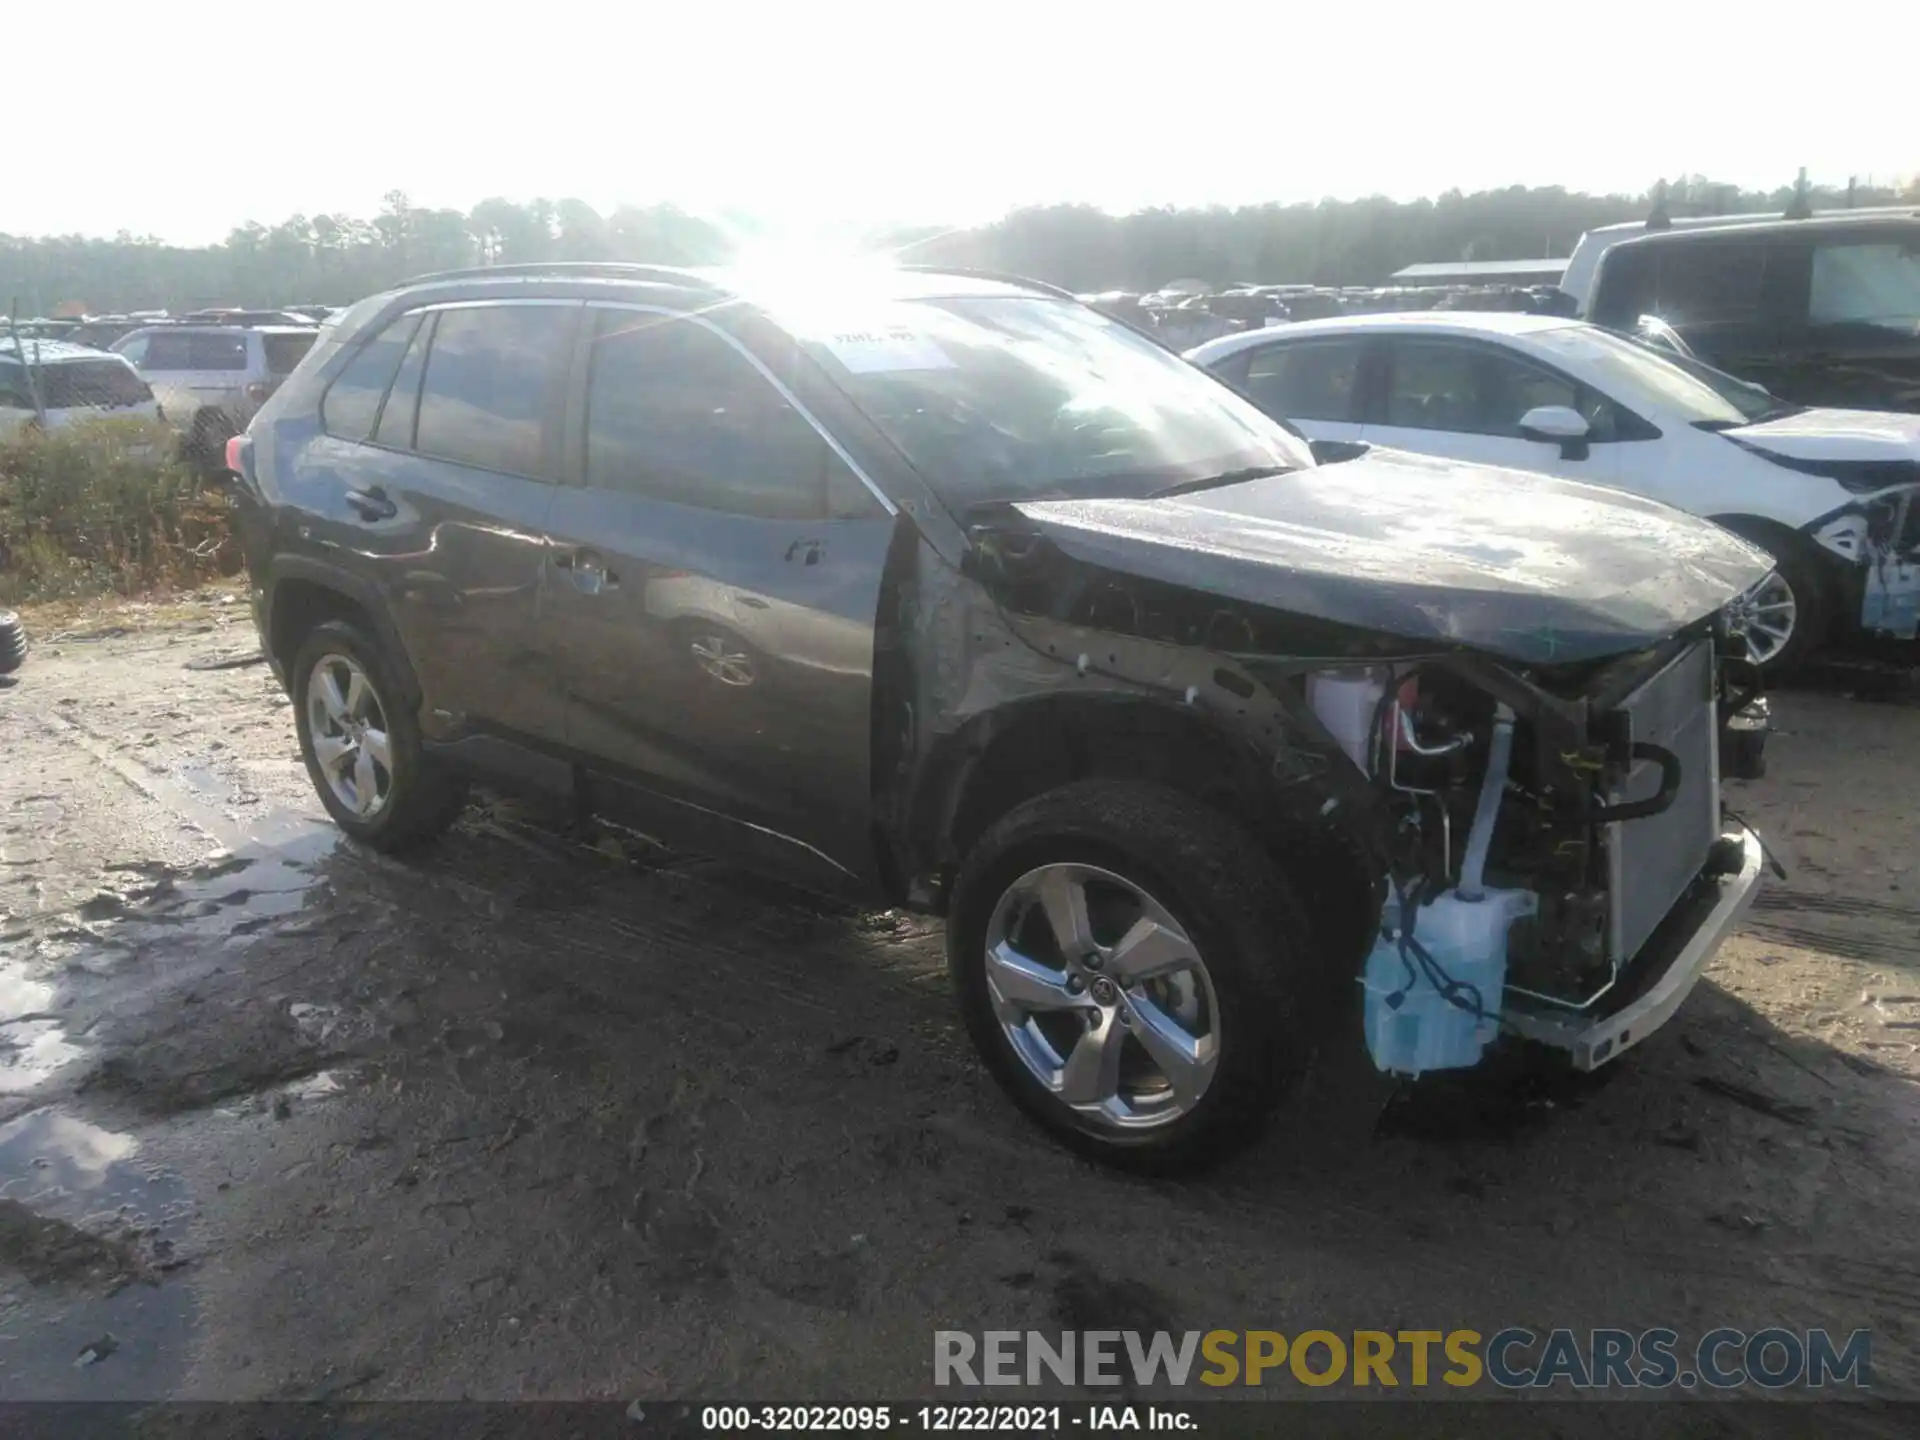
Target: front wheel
1129, 966
1784, 618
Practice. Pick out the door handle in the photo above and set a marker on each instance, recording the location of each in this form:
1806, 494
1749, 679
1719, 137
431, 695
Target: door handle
372, 503
808, 548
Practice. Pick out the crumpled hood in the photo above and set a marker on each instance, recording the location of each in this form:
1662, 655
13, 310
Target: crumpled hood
1848, 436
1523, 566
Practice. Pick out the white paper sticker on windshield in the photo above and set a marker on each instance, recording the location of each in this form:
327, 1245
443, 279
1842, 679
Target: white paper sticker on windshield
886, 347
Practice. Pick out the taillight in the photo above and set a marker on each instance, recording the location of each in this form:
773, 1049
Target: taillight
236, 447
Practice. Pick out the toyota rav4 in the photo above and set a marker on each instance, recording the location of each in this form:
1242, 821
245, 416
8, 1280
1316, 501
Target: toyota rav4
948, 591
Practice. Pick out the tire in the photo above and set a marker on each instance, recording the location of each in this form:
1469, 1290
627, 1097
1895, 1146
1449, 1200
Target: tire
1811, 596
419, 799
13, 642
1254, 995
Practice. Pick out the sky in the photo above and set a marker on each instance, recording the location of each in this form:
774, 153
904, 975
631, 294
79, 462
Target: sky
821, 116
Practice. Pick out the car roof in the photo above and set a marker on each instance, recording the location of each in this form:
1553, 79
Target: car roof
51, 352
891, 282
1429, 322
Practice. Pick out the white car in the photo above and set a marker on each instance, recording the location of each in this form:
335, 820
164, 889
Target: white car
1832, 495
69, 382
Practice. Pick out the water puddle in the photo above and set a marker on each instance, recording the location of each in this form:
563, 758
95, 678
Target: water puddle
89, 1243
55, 963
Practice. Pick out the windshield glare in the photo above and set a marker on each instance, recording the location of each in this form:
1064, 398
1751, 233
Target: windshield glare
1641, 379
1009, 398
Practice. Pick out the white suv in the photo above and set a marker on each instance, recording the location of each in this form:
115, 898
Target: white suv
211, 379
1833, 495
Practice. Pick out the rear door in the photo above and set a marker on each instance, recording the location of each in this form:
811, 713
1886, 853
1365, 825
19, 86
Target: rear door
1464, 399
435, 475
716, 576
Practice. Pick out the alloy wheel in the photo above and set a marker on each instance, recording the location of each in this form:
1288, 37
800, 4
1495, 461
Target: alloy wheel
1764, 618
1102, 996
347, 724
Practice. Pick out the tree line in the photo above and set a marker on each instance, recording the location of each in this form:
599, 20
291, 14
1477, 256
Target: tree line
334, 259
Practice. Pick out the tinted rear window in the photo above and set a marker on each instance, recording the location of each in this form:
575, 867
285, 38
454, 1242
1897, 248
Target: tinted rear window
168, 350
354, 397
286, 351
92, 382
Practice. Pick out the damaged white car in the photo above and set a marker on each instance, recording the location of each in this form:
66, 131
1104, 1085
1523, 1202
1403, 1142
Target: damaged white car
1831, 494
1030, 624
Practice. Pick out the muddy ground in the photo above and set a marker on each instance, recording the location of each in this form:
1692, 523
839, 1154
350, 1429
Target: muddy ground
532, 1116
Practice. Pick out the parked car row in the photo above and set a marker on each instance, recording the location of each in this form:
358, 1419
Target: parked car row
949, 591
1833, 495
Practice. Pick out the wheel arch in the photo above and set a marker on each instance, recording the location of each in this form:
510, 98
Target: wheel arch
1012, 753
304, 594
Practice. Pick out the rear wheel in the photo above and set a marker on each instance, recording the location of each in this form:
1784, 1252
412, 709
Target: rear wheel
362, 746
1128, 964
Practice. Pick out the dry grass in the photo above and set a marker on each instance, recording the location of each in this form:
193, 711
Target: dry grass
104, 507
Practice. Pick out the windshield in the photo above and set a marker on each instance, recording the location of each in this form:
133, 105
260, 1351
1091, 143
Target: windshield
1633, 374
1874, 284
1006, 398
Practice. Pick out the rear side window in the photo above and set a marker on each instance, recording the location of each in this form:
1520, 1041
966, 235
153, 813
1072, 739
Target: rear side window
92, 382
493, 373
403, 400
675, 413
1712, 284
353, 399
1308, 381
284, 352
189, 351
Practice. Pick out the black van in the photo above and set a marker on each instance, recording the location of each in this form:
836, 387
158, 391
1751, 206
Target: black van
1821, 311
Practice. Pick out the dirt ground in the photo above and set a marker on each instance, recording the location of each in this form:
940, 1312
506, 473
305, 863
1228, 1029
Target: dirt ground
534, 1116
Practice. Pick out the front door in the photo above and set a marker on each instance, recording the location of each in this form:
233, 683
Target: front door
716, 578
1464, 400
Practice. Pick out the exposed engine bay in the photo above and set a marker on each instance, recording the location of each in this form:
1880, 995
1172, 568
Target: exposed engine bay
1530, 826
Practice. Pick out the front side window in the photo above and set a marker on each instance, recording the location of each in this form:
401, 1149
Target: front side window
675, 412
1311, 380
353, 399
191, 350
82, 383
491, 378
1018, 397
1476, 390
1874, 284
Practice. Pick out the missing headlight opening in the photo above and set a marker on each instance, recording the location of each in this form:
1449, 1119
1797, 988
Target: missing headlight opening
1545, 842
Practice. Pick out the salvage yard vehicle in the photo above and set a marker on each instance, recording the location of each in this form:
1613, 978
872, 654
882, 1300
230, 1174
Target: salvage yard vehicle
1822, 311
1833, 495
1184, 736
54, 383
212, 378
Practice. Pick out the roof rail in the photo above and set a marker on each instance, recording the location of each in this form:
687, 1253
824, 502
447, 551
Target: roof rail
608, 269
1004, 277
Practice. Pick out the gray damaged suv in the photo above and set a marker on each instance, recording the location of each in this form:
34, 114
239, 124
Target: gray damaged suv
947, 591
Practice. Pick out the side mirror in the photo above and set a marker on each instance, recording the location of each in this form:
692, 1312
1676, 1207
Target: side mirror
1332, 452
1560, 425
